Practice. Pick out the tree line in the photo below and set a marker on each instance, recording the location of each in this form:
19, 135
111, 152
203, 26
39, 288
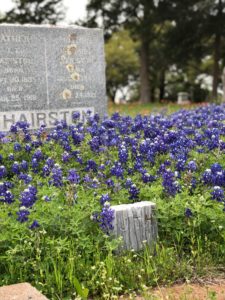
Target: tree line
160, 47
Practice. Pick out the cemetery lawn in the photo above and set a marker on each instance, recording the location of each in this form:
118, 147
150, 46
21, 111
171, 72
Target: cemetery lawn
57, 188
134, 108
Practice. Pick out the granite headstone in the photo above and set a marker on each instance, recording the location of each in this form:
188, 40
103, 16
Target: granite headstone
49, 72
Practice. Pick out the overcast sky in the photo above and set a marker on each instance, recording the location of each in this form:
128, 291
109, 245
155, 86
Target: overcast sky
75, 8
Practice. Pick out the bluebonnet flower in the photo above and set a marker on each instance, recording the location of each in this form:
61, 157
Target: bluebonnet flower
17, 146
95, 144
138, 165
130, 171
46, 198
38, 155
22, 215
207, 176
128, 183
28, 197
28, 148
192, 166
219, 178
146, 177
11, 156
15, 167
5, 140
50, 162
193, 183
25, 177
218, 194
134, 192
9, 197
123, 154
87, 179
105, 218
34, 225
101, 167
13, 128
171, 187
104, 198
36, 144
163, 166
117, 170
34, 165
57, 176
76, 116
46, 170
110, 183
77, 136
91, 165
65, 157
23, 125
73, 176
188, 213
24, 165
3, 171
5, 195
79, 160
95, 183
216, 167
222, 145
27, 137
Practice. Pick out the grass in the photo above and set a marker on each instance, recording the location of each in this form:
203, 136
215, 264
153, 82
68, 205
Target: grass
134, 108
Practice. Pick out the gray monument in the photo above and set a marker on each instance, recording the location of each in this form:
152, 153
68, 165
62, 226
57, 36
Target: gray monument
49, 72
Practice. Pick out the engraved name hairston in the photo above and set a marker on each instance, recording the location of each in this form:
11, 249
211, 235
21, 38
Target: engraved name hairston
37, 118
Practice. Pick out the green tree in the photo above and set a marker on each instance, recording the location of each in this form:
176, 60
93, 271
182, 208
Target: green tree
199, 32
139, 17
214, 28
122, 62
34, 12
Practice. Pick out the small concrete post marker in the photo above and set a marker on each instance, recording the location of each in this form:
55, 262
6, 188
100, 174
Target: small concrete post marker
136, 224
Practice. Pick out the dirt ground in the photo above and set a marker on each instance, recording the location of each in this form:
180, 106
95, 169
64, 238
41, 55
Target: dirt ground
200, 290
192, 292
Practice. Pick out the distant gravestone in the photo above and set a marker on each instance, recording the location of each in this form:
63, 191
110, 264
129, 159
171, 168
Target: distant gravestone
136, 223
183, 98
49, 72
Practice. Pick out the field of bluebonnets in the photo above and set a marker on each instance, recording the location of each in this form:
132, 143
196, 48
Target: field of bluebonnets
57, 188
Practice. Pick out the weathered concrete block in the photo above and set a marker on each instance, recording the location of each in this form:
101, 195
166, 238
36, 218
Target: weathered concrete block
20, 291
136, 224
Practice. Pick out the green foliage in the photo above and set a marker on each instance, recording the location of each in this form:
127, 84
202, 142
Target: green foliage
34, 12
69, 256
170, 33
122, 61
